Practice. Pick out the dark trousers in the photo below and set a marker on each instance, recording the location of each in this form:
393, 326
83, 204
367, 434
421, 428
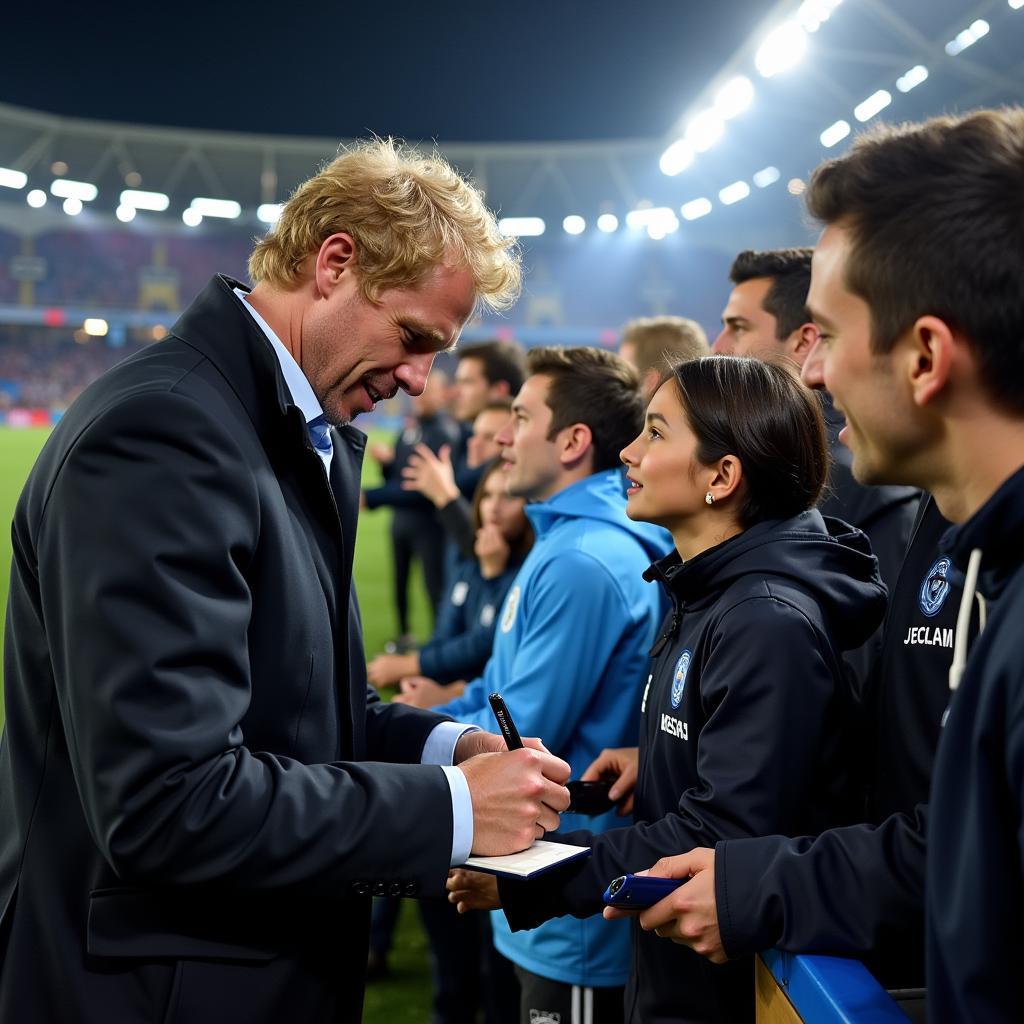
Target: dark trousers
468, 971
416, 535
560, 1003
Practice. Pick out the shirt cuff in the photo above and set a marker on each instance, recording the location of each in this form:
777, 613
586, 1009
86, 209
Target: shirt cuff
440, 749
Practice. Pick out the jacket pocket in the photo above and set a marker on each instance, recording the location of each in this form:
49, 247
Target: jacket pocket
145, 924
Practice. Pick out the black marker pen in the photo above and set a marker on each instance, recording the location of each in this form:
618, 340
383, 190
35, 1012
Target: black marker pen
508, 728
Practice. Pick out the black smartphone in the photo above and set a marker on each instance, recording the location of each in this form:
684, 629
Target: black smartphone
589, 797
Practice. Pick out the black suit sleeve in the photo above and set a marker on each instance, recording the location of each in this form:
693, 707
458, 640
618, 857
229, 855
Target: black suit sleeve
849, 891
143, 553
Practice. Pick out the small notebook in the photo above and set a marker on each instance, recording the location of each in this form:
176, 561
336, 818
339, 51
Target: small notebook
534, 860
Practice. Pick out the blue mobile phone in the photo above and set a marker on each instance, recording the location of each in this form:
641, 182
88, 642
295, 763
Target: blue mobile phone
637, 892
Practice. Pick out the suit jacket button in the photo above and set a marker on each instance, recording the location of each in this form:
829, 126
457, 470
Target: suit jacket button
380, 888
395, 889
411, 888
360, 888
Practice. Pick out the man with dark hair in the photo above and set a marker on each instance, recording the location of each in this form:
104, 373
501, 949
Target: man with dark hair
766, 317
570, 652
652, 344
492, 369
916, 291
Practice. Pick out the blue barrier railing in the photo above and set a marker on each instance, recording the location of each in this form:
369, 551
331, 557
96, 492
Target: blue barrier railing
832, 990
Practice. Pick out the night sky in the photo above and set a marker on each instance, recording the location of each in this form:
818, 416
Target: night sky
452, 71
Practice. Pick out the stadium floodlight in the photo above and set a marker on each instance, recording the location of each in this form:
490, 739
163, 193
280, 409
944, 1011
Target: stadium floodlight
36, 198
695, 208
814, 13
705, 130
65, 188
72, 206
226, 208
269, 213
1016, 4
125, 213
782, 49
138, 200
12, 179
193, 218
914, 77
872, 105
734, 193
607, 223
95, 327
574, 224
734, 97
521, 227
662, 218
968, 37
766, 176
676, 158
835, 133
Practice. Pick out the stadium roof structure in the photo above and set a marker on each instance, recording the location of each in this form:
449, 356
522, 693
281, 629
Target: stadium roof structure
791, 91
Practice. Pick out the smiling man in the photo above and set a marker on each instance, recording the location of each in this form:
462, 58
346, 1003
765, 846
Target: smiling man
198, 792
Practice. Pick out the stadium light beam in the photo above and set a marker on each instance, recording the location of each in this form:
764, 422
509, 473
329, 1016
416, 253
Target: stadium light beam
734, 97
96, 327
835, 133
36, 198
734, 193
193, 218
65, 188
876, 102
676, 158
522, 227
914, 77
1016, 4
781, 50
125, 213
574, 224
968, 37
658, 217
607, 223
226, 208
766, 176
696, 208
10, 178
72, 206
705, 130
138, 200
269, 213
812, 14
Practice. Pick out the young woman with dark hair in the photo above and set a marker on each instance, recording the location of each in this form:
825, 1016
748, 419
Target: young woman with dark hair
745, 723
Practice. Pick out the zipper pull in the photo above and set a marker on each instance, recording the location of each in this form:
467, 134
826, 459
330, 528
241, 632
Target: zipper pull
659, 644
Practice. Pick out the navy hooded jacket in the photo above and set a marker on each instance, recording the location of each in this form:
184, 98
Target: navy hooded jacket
745, 724
975, 873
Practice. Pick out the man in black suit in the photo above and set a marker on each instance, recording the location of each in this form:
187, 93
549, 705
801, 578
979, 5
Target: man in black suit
198, 792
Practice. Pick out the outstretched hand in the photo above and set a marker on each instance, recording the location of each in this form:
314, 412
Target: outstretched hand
472, 890
432, 475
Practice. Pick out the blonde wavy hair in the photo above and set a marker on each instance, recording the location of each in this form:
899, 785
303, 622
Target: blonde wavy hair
407, 213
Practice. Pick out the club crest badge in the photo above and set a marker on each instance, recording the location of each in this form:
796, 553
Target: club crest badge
679, 678
508, 616
935, 588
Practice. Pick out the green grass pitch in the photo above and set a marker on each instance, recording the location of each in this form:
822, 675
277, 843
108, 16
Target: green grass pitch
405, 997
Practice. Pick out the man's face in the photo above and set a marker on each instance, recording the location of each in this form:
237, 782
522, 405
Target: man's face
884, 430
747, 330
355, 352
534, 469
472, 388
482, 444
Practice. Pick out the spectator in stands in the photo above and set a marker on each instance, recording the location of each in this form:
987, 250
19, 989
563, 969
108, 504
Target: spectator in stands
433, 476
916, 290
414, 525
198, 791
653, 344
766, 316
570, 654
745, 719
474, 587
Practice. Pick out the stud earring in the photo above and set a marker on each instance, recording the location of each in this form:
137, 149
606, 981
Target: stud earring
709, 498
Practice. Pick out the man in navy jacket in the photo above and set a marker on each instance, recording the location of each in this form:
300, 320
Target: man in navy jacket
916, 290
198, 791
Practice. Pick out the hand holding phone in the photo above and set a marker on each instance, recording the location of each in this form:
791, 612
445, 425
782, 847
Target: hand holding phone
589, 797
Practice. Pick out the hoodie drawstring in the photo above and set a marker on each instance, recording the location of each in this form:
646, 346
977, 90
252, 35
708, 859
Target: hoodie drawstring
963, 618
